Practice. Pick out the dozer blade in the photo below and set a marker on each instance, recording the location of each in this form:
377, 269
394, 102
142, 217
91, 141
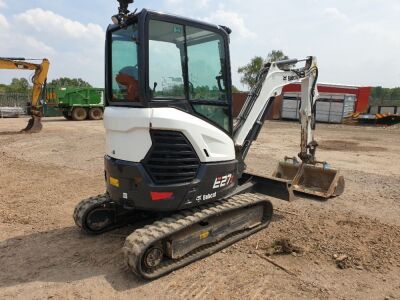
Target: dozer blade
34, 125
268, 185
319, 181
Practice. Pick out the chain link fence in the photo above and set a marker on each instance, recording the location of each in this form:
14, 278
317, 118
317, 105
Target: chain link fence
13, 104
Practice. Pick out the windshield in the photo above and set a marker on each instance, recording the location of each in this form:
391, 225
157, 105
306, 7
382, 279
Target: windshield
189, 63
206, 64
184, 56
124, 65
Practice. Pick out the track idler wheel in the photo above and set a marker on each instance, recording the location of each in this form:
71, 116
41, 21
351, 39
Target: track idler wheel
95, 215
34, 125
98, 219
153, 257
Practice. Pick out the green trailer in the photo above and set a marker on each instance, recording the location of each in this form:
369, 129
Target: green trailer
77, 103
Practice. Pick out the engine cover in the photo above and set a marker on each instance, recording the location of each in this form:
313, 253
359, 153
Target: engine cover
128, 133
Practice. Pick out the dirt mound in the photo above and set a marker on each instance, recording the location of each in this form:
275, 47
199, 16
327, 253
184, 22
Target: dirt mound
348, 241
283, 246
337, 145
345, 262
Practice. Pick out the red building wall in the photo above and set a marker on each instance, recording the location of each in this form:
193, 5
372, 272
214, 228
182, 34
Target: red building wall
238, 100
363, 99
362, 94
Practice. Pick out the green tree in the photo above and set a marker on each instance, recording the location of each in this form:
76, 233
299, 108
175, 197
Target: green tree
395, 94
250, 71
18, 85
3, 88
276, 55
380, 94
65, 81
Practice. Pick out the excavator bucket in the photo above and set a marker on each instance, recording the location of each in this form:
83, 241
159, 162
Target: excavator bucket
287, 170
34, 125
318, 181
315, 180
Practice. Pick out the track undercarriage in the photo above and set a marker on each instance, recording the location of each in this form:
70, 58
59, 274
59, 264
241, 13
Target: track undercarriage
176, 240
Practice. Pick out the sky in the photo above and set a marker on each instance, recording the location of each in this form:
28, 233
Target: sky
356, 42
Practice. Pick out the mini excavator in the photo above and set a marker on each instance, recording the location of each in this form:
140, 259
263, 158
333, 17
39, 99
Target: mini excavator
175, 157
39, 85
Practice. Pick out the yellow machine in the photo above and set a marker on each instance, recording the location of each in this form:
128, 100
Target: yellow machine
39, 83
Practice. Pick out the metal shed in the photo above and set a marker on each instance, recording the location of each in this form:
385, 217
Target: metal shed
331, 108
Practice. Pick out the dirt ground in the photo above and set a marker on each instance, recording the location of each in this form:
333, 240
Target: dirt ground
343, 248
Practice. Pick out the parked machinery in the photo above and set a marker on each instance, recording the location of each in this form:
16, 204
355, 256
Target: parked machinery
39, 85
77, 103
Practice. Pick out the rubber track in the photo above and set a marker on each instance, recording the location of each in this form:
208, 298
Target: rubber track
140, 240
86, 205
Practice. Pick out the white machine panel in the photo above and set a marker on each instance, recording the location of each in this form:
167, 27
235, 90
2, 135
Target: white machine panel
128, 133
202, 135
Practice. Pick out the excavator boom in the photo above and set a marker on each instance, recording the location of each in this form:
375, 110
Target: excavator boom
305, 176
38, 81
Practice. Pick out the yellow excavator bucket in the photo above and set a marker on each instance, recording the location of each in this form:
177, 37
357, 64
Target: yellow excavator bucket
34, 125
320, 181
